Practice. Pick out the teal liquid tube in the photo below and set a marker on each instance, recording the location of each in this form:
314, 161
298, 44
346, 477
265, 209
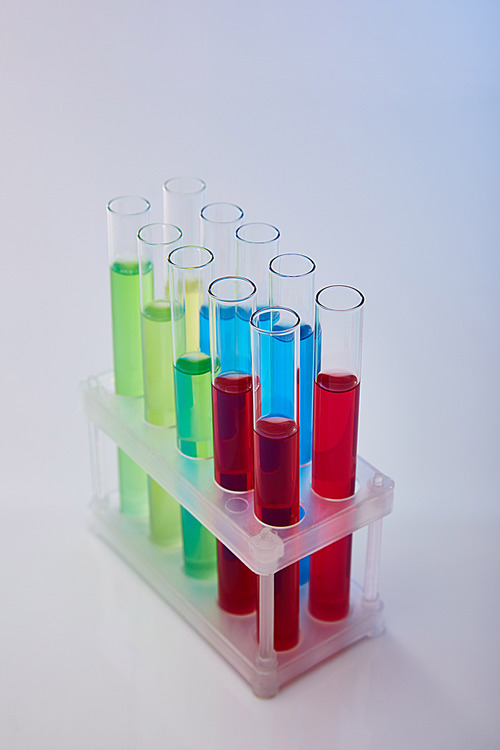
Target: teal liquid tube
256, 245
275, 360
189, 278
155, 241
232, 302
291, 280
218, 224
183, 198
337, 375
125, 215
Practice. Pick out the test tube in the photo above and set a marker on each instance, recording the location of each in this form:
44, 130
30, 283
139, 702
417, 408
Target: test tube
183, 198
275, 374
338, 342
292, 285
189, 278
291, 282
218, 223
256, 244
125, 215
155, 241
232, 301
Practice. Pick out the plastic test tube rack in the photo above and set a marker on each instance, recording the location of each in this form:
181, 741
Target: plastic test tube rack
230, 518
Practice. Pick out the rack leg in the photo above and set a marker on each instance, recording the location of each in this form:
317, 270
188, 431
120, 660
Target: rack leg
372, 563
266, 661
96, 468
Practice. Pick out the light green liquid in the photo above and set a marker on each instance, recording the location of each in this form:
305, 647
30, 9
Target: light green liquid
159, 400
200, 549
126, 316
127, 357
164, 516
159, 409
193, 398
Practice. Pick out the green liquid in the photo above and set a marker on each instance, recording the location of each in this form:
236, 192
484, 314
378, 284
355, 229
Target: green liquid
159, 409
159, 400
200, 549
127, 357
193, 398
193, 388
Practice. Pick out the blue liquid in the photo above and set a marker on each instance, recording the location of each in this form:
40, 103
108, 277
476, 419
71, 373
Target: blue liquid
306, 393
204, 330
233, 338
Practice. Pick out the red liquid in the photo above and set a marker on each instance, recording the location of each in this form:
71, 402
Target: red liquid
233, 445
233, 469
335, 437
237, 584
276, 459
335, 434
276, 498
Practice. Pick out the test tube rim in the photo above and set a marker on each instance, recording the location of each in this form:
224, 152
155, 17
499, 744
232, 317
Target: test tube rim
222, 203
340, 309
237, 299
191, 267
146, 203
291, 275
202, 185
159, 224
277, 308
258, 242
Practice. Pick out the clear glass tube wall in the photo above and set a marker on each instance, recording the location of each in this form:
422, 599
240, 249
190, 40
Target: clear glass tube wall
183, 198
338, 342
292, 278
125, 215
155, 241
218, 223
275, 373
189, 278
256, 245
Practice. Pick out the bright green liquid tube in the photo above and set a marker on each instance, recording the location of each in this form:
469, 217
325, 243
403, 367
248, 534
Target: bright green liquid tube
127, 357
200, 549
193, 388
159, 409
193, 391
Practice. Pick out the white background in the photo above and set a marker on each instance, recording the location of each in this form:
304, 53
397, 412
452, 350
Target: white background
368, 132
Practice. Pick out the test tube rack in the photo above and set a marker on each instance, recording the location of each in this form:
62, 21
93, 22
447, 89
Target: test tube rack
230, 517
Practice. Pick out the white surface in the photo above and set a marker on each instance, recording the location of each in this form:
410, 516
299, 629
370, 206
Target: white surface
368, 133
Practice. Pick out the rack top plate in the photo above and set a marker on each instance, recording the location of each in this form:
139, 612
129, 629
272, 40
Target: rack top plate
230, 515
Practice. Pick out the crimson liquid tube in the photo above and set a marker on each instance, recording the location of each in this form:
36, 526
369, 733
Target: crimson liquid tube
338, 339
275, 370
231, 303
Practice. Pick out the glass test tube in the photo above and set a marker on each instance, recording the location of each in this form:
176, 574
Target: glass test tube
218, 224
337, 363
275, 373
183, 198
155, 241
232, 302
189, 278
291, 284
125, 215
256, 245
